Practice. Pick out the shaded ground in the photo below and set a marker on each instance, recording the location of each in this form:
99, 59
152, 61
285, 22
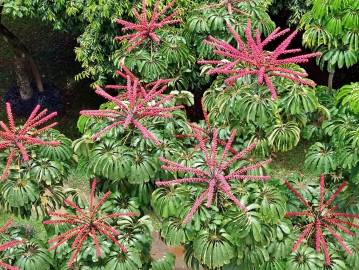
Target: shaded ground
54, 54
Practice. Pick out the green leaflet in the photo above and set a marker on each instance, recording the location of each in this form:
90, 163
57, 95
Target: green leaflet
320, 158
213, 249
167, 262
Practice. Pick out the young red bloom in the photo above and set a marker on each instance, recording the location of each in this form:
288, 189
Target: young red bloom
8, 245
323, 216
216, 174
146, 27
263, 64
86, 223
16, 139
139, 102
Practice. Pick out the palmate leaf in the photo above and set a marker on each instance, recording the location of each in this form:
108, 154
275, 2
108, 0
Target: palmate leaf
167, 201
47, 171
262, 148
88, 255
33, 255
167, 262
136, 232
63, 152
245, 225
284, 136
272, 204
198, 24
337, 57
124, 261
349, 95
213, 248
120, 202
320, 158
305, 258
299, 99
337, 261
281, 248
273, 265
190, 260
217, 19
153, 67
347, 157
19, 191
353, 243
340, 126
176, 51
251, 257
110, 159
143, 167
51, 199
173, 233
255, 107
82, 146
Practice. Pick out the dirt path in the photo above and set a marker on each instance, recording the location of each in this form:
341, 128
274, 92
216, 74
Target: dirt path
159, 249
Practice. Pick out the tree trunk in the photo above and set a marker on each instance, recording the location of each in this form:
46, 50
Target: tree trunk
330, 79
22, 78
22, 59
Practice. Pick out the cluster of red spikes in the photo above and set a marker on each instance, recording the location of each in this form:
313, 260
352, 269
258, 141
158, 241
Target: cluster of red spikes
262, 63
215, 175
8, 245
16, 139
87, 223
139, 102
146, 27
323, 217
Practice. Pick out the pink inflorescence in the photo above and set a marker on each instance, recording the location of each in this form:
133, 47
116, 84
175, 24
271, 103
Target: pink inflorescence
8, 245
146, 27
138, 102
324, 216
86, 223
264, 64
214, 175
16, 139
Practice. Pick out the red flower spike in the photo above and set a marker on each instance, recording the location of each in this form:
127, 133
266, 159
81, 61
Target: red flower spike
8, 245
139, 102
215, 175
324, 217
146, 27
16, 139
263, 64
86, 223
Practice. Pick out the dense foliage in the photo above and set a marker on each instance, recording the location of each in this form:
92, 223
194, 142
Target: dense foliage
208, 186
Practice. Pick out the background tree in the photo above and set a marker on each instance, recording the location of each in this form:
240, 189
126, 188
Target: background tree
331, 27
25, 66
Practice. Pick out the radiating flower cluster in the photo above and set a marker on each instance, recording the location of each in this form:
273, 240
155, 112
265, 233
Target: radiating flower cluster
86, 223
137, 103
215, 175
146, 27
264, 64
323, 216
16, 139
8, 245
